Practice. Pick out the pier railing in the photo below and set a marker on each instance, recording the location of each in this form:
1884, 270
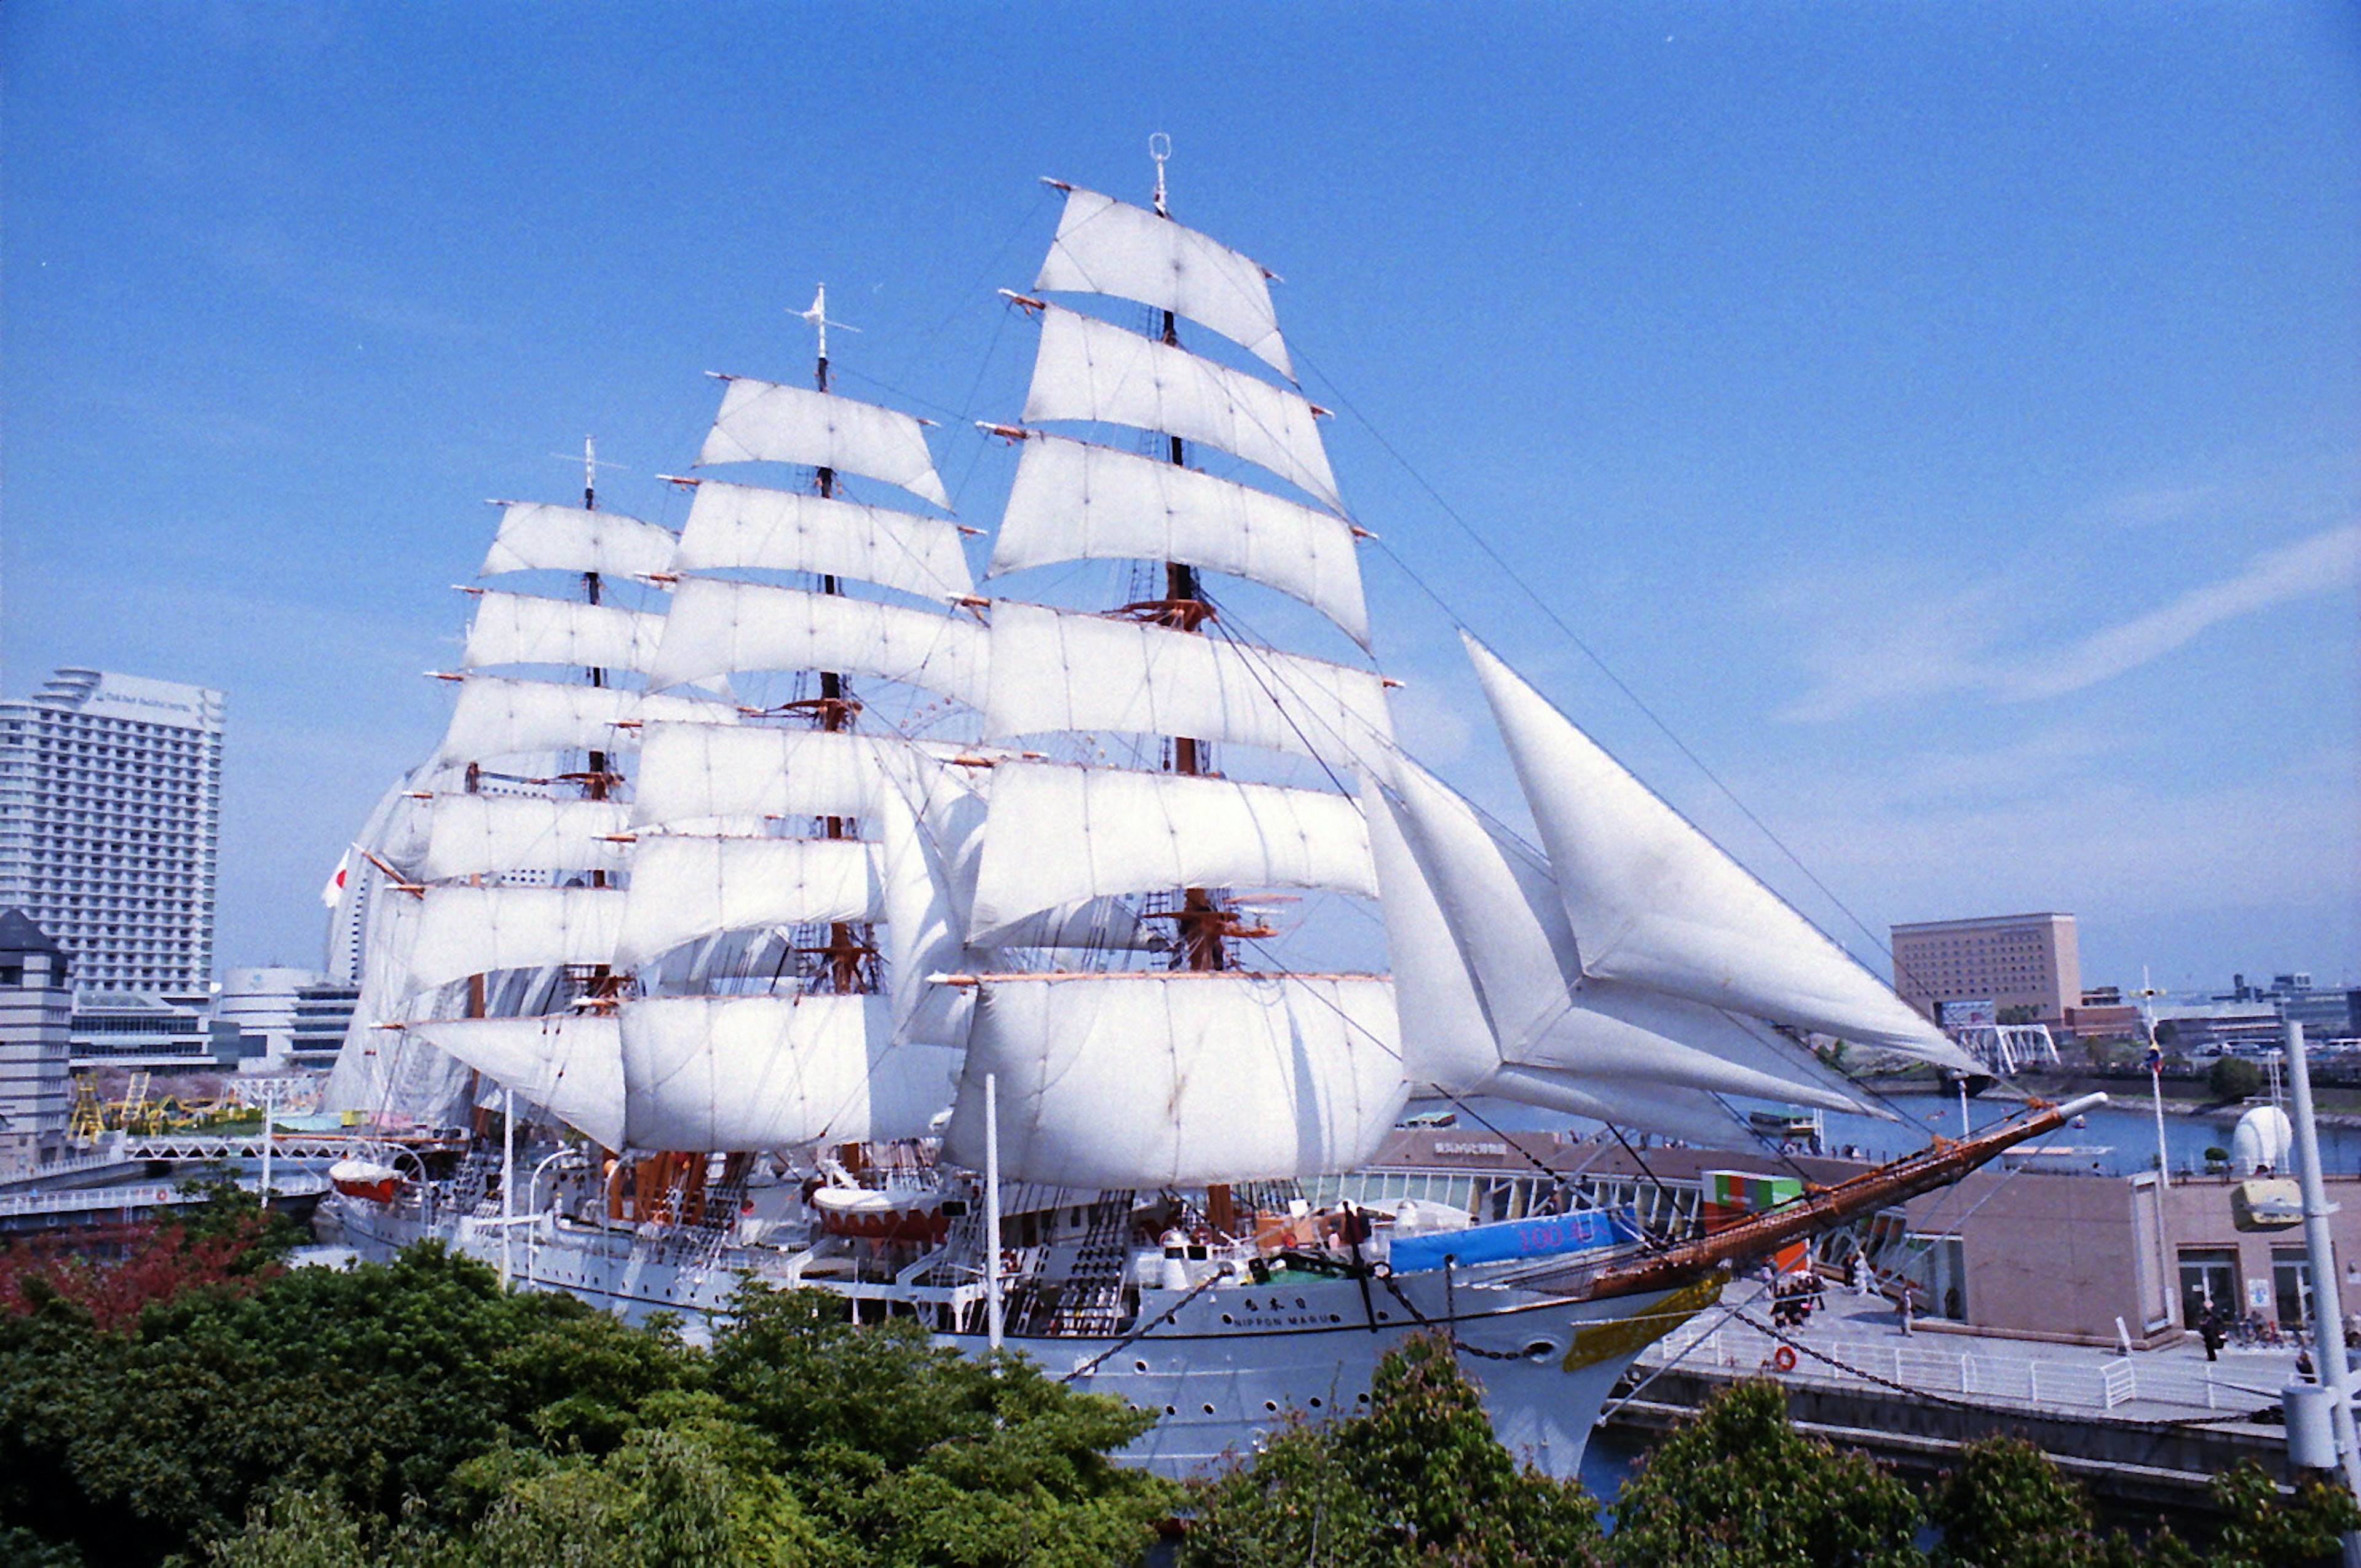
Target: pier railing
1976, 1374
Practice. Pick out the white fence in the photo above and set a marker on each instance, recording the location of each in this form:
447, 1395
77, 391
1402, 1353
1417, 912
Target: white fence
1924, 1364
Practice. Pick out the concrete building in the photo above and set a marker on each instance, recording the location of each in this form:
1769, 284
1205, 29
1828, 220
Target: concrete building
161, 1033
285, 1017
2003, 961
36, 1000
110, 814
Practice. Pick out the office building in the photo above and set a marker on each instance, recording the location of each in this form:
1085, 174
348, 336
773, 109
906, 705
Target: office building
285, 1017
36, 1000
2001, 961
110, 816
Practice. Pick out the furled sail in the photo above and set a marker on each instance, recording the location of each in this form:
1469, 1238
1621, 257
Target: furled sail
1060, 835
467, 835
1088, 369
498, 716
1107, 247
535, 536
687, 886
527, 629
1054, 670
1654, 902
692, 773
1144, 1081
569, 1064
456, 932
735, 527
1544, 1010
718, 626
763, 1072
1072, 500
763, 423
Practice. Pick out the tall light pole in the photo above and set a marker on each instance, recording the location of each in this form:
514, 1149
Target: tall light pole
2156, 1079
2327, 1300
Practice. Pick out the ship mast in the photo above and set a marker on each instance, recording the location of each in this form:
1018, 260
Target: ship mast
846, 948
1203, 924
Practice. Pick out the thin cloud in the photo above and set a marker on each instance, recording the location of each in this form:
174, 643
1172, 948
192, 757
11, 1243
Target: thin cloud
2322, 564
1947, 644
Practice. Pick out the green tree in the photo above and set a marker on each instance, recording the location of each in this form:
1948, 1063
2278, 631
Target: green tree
2233, 1078
2005, 1505
1417, 1479
1737, 1486
2263, 1530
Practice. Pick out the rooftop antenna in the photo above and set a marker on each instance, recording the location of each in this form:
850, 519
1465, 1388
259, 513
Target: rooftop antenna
817, 317
590, 466
1160, 147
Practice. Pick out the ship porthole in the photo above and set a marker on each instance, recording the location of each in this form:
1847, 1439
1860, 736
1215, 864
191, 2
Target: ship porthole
1171, 1410
1227, 1319
1361, 1399
1315, 1402
1209, 1409
1139, 1366
1271, 1404
1540, 1350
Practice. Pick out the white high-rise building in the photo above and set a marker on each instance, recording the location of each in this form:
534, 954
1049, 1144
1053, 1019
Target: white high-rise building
110, 819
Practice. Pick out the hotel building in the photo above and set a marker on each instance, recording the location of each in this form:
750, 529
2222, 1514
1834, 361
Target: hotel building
2003, 960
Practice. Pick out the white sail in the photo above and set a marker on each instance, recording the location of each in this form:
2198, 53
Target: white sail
746, 1073
527, 629
687, 887
1074, 500
1654, 902
716, 628
1090, 370
693, 772
1107, 247
571, 1066
1544, 1011
926, 918
763, 423
1145, 1081
498, 716
456, 932
535, 536
1060, 835
469, 835
1057, 670
1447, 1044
736, 527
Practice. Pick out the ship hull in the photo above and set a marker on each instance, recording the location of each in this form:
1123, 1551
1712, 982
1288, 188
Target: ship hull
1221, 1368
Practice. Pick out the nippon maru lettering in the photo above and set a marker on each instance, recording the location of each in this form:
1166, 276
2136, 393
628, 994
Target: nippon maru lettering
906, 943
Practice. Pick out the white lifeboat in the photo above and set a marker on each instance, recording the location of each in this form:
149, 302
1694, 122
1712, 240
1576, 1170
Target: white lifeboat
365, 1179
882, 1214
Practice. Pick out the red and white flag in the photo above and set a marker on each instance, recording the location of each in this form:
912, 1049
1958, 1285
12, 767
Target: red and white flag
334, 890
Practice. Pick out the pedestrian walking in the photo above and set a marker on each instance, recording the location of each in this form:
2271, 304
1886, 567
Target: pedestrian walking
2209, 1328
1908, 1305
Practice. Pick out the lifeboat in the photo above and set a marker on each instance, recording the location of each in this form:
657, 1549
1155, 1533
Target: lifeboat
365, 1179
882, 1214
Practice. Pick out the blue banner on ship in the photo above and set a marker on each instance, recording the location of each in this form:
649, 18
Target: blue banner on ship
1587, 1230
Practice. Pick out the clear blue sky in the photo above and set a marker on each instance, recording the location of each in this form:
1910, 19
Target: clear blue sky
1944, 417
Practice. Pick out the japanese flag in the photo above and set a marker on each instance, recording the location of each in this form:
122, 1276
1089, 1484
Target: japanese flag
334, 889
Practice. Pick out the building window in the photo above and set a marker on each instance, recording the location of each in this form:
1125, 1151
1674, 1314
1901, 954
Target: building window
2291, 1286
2208, 1277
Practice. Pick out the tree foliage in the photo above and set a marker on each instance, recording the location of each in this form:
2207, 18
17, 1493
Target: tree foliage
2233, 1078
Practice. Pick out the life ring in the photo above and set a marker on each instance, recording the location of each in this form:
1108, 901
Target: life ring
1783, 1359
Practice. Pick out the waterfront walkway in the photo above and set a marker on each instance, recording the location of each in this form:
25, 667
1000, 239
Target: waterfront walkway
1856, 1343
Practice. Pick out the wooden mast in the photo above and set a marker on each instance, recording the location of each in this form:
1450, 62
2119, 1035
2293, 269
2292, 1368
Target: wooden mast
846, 950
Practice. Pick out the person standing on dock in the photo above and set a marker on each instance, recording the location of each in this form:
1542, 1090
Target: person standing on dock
1907, 1305
2209, 1328
1861, 1281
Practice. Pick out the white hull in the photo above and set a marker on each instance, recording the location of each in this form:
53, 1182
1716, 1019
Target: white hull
1221, 1367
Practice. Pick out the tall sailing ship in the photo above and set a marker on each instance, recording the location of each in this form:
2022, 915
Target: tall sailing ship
812, 915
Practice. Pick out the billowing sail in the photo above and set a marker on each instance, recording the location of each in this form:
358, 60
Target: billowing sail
1090, 370
526, 628
763, 1072
1544, 1011
716, 628
1107, 247
569, 1064
1060, 835
1144, 1081
456, 932
1072, 500
467, 835
497, 716
735, 527
1055, 670
1654, 902
684, 887
535, 536
691, 773
763, 423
